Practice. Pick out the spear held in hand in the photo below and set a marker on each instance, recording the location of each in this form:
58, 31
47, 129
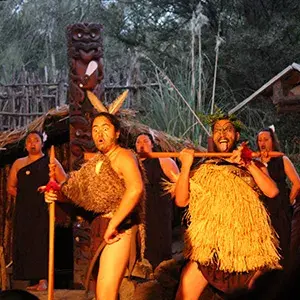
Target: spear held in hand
51, 185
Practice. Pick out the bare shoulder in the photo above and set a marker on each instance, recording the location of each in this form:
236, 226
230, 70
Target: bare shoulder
125, 160
168, 163
169, 168
286, 159
167, 160
126, 154
20, 163
288, 165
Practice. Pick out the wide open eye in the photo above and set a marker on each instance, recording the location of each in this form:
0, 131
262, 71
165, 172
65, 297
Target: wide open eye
78, 34
95, 130
95, 33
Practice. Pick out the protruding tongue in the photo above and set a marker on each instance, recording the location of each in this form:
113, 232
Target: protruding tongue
223, 147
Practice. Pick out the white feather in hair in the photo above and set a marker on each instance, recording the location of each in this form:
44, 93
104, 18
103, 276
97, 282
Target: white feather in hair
96, 102
272, 127
113, 108
117, 103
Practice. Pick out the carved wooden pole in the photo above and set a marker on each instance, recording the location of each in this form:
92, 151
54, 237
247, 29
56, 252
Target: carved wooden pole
85, 55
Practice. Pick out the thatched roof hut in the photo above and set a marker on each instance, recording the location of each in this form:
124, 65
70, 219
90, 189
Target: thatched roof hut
55, 123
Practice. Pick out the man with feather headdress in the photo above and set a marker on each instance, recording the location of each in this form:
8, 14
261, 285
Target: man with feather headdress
111, 185
229, 240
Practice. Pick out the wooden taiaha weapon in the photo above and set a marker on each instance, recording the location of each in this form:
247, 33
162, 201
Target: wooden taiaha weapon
208, 154
51, 235
51, 185
89, 155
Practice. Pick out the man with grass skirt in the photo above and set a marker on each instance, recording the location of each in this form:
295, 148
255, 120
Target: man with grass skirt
229, 241
111, 185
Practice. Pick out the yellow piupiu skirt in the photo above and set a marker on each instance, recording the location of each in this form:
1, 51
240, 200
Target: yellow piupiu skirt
229, 225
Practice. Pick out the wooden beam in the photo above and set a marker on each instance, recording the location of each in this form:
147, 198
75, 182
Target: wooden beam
293, 66
290, 100
89, 155
288, 109
11, 114
130, 87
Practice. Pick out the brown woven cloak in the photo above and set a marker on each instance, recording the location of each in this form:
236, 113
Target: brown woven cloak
97, 187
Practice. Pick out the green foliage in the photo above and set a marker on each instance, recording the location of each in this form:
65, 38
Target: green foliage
171, 107
261, 39
211, 119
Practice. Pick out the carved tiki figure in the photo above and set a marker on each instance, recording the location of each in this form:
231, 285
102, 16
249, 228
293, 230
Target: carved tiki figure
85, 54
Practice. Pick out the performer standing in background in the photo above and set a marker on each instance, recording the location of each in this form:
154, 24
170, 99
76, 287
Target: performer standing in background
229, 240
111, 185
31, 220
159, 204
280, 169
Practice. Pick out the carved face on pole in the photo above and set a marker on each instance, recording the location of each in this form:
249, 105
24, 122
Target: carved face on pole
225, 136
104, 134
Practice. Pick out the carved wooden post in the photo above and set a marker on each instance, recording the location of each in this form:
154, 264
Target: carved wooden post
84, 46
85, 53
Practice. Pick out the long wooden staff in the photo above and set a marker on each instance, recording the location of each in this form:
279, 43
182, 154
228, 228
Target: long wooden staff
51, 236
89, 155
209, 154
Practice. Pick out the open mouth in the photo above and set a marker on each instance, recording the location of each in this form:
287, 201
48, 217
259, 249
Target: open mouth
223, 144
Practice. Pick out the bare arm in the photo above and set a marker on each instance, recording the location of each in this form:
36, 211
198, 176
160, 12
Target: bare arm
11, 186
60, 173
182, 193
169, 168
293, 176
263, 180
259, 174
128, 168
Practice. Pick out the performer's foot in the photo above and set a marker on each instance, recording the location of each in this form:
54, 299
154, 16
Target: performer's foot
32, 287
43, 285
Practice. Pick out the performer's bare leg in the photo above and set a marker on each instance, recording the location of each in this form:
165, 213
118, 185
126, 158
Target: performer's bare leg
251, 283
113, 263
192, 283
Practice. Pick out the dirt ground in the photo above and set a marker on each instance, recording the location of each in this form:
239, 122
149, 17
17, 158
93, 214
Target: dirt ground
65, 295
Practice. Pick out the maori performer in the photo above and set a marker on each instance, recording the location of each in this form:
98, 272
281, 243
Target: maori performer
229, 241
30, 255
111, 185
158, 204
280, 169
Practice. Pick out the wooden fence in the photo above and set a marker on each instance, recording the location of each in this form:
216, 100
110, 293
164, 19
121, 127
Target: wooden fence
21, 103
